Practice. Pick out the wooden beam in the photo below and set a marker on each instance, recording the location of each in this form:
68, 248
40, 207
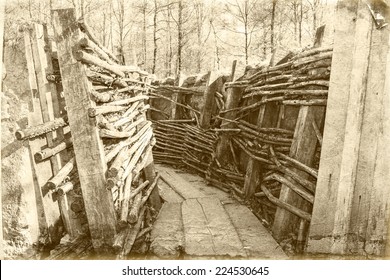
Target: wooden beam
351, 208
88, 147
178, 97
303, 149
209, 99
267, 117
233, 99
47, 207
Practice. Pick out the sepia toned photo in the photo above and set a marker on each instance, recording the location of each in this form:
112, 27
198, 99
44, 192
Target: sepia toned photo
195, 130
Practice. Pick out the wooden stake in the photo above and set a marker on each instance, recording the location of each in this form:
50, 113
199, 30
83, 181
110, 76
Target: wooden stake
88, 148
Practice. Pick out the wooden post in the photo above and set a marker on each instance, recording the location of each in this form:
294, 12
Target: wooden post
352, 203
87, 145
47, 206
232, 101
267, 117
51, 109
303, 149
177, 97
213, 82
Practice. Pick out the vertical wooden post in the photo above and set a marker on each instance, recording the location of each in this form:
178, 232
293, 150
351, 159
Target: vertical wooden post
50, 106
209, 99
47, 206
178, 97
232, 101
87, 145
303, 149
352, 203
267, 117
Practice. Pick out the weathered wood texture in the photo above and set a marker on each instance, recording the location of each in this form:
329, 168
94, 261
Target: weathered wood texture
267, 117
257, 241
87, 145
303, 149
42, 111
206, 222
167, 236
351, 210
213, 83
182, 187
233, 99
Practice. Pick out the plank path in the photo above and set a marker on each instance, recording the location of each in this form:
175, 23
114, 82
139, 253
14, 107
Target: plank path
198, 221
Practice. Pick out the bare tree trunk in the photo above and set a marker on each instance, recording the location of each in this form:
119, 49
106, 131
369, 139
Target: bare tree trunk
273, 25
216, 47
199, 23
144, 8
179, 38
154, 37
300, 25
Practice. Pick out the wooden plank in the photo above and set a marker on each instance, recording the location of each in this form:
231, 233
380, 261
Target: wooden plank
179, 184
256, 239
168, 194
176, 111
49, 215
369, 217
331, 222
233, 99
87, 145
208, 230
167, 236
209, 99
49, 97
267, 117
303, 149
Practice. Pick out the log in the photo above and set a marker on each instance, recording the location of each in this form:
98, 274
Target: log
49, 152
57, 179
134, 209
93, 112
150, 189
105, 133
65, 188
87, 30
131, 236
313, 51
297, 164
145, 160
127, 100
40, 129
101, 97
105, 79
296, 188
86, 43
314, 58
310, 83
127, 174
127, 142
90, 59
136, 191
296, 211
132, 125
178, 121
117, 163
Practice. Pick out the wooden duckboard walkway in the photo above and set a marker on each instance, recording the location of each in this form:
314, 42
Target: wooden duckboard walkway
199, 221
